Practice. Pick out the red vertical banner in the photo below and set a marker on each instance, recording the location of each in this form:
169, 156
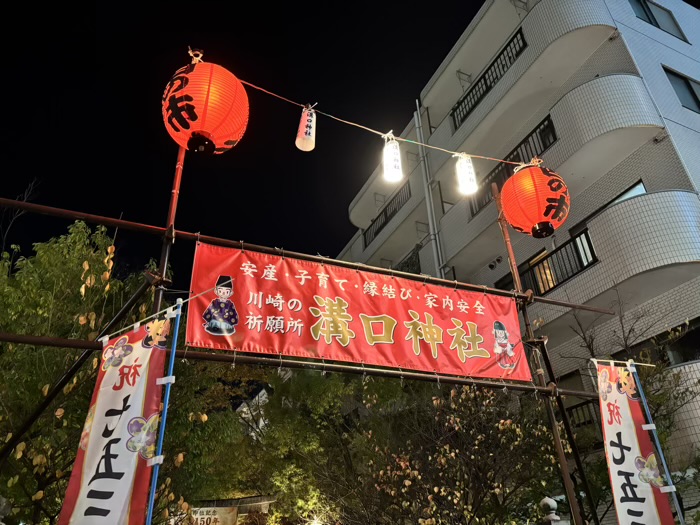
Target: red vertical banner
110, 480
637, 483
254, 302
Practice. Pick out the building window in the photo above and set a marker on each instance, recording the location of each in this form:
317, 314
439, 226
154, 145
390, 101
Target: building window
688, 90
657, 16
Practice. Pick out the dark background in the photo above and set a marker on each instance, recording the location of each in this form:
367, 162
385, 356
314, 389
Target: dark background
81, 107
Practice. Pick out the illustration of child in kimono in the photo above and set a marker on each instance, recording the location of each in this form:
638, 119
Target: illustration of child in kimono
221, 316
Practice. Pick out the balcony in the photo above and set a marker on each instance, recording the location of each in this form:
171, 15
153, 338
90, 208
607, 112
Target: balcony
557, 267
645, 246
387, 212
493, 73
559, 37
589, 131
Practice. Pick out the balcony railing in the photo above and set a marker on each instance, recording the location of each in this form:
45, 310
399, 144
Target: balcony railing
539, 139
488, 79
586, 415
557, 267
411, 263
388, 211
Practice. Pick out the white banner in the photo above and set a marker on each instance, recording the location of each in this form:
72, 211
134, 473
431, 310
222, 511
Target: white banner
634, 473
110, 479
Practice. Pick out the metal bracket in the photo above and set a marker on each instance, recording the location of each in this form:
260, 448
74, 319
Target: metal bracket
466, 77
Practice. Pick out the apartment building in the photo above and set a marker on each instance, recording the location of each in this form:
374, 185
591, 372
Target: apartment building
607, 93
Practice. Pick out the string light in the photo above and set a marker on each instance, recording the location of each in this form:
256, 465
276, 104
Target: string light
392, 159
466, 177
465, 167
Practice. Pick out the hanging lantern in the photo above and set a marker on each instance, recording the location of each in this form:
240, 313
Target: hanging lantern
466, 177
535, 200
392, 159
205, 107
306, 134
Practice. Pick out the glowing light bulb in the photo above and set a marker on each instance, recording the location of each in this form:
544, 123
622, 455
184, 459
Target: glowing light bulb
392, 159
466, 177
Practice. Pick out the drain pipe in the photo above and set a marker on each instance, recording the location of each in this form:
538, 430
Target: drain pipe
432, 230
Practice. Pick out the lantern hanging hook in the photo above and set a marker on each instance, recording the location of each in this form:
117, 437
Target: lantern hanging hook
196, 55
535, 161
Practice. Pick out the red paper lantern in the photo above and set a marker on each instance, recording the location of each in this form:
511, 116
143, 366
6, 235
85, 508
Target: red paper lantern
205, 108
535, 201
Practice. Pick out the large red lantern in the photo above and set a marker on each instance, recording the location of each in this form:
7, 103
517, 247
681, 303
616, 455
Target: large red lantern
535, 200
205, 107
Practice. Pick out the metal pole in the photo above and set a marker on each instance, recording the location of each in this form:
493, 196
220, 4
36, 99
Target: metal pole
68, 374
679, 509
218, 241
254, 359
432, 230
169, 237
539, 372
542, 344
161, 427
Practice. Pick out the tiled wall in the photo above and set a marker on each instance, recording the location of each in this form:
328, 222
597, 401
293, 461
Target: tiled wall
664, 311
685, 441
653, 48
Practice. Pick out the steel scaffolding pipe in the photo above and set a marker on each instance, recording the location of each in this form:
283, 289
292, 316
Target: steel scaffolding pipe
254, 359
179, 234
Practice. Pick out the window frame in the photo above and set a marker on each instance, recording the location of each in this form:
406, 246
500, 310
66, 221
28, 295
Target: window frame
694, 91
652, 20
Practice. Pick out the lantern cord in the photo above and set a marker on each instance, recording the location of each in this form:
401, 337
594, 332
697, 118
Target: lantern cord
273, 94
381, 134
196, 55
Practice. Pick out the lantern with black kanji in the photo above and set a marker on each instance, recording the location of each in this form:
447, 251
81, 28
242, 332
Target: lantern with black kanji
535, 200
205, 107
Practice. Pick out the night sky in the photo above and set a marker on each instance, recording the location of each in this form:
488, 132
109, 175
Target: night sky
82, 116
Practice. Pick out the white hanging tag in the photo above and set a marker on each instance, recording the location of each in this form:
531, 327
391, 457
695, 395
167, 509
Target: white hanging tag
306, 134
649, 426
165, 380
